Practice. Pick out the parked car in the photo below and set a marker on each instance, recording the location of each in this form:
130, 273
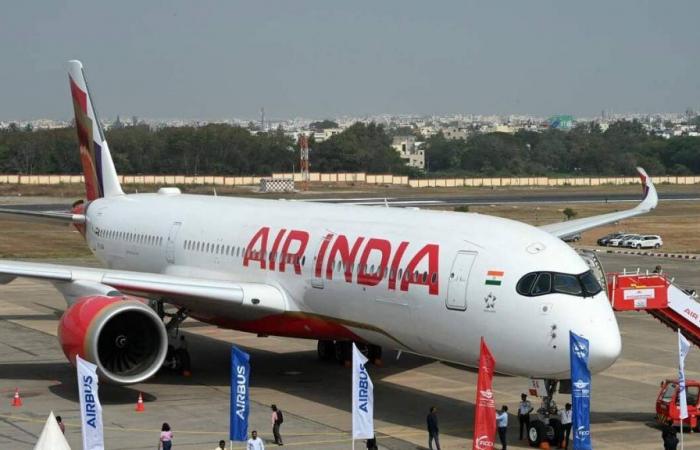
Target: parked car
617, 242
605, 240
572, 238
644, 241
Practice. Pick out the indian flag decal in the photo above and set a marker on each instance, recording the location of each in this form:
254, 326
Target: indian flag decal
494, 277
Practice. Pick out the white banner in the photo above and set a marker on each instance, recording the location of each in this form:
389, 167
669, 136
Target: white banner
683, 349
90, 408
362, 398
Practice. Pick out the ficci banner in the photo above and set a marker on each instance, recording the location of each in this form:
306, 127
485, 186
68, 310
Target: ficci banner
580, 391
485, 415
90, 407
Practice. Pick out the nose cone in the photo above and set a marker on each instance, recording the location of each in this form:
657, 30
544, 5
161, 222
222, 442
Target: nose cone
605, 348
605, 343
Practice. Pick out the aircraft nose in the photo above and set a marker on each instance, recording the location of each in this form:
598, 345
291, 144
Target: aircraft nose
605, 343
604, 349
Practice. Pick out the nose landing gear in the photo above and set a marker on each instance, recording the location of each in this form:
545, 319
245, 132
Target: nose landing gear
547, 427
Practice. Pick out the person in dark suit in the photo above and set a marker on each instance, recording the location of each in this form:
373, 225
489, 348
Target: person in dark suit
433, 430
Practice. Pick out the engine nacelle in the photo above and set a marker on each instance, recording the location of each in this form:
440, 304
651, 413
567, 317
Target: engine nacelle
125, 338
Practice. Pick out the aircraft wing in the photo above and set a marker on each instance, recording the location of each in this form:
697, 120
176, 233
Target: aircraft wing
51, 217
649, 201
187, 292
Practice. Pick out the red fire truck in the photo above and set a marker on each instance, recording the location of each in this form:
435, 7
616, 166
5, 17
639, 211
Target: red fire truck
668, 403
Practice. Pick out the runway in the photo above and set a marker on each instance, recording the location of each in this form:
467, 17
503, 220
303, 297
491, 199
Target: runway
314, 396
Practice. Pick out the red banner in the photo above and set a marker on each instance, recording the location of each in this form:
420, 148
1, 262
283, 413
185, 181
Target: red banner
485, 415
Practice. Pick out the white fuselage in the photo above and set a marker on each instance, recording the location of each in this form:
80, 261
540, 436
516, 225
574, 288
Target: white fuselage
441, 310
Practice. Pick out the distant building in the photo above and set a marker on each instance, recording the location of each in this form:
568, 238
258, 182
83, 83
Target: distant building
406, 147
455, 133
326, 134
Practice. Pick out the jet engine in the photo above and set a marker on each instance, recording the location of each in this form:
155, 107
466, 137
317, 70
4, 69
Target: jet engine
125, 338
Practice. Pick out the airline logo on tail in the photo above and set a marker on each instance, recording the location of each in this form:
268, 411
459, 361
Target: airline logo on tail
90, 149
101, 179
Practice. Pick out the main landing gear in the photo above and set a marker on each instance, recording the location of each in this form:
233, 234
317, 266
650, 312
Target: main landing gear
546, 427
178, 357
341, 352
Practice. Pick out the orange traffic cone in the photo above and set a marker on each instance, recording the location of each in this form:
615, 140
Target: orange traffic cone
139, 404
16, 400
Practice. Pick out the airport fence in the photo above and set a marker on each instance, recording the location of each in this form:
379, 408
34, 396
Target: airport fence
350, 178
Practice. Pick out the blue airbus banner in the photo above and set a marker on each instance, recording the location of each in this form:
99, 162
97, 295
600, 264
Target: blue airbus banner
240, 405
580, 392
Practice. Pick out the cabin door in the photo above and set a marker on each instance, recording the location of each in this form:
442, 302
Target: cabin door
459, 281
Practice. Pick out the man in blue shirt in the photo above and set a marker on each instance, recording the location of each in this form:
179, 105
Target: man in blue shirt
502, 425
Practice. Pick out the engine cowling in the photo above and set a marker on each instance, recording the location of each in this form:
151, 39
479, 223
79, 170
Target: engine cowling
125, 338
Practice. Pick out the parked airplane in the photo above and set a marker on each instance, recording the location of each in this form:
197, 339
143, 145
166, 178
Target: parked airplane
427, 282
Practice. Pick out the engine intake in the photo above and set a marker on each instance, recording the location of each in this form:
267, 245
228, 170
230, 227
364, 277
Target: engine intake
125, 338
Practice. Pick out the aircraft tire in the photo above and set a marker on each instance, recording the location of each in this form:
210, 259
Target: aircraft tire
342, 351
558, 432
374, 353
536, 433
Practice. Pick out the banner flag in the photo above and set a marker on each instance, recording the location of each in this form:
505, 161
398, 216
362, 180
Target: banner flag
580, 391
683, 349
362, 398
485, 415
240, 395
90, 407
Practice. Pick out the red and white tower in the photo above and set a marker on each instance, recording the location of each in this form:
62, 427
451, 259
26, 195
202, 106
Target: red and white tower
304, 161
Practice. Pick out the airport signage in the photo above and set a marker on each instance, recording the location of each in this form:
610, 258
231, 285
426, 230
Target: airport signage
240, 395
580, 391
90, 407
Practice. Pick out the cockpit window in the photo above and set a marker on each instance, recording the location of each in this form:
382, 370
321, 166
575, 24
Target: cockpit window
525, 283
590, 283
541, 283
567, 284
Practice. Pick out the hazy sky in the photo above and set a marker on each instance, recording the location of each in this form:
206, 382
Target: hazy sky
205, 59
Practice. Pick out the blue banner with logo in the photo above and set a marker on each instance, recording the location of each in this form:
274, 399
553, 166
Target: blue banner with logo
580, 392
240, 404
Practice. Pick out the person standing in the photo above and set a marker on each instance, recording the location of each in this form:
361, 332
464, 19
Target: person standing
566, 416
166, 437
255, 443
222, 445
502, 425
59, 420
433, 430
524, 410
277, 420
372, 443
668, 434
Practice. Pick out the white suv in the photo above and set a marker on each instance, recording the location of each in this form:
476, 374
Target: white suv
645, 241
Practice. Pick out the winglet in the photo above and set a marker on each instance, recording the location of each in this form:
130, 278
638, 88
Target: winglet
649, 196
101, 178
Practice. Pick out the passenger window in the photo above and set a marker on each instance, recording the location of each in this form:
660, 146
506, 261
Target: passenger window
692, 395
567, 284
543, 284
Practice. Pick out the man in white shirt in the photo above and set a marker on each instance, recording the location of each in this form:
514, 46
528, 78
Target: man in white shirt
502, 425
566, 416
255, 443
524, 410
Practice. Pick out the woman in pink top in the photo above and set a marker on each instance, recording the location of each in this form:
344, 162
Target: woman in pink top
166, 437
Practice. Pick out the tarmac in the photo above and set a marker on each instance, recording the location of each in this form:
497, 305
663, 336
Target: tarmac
315, 396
